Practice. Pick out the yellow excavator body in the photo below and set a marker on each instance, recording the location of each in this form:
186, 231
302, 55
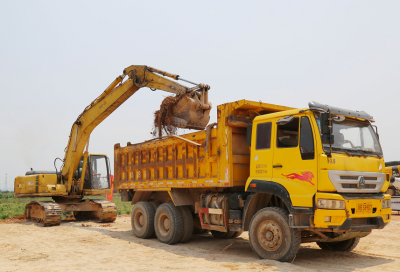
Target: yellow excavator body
83, 174
40, 185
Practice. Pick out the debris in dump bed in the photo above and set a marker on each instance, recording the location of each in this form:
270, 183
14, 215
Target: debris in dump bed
14, 219
163, 117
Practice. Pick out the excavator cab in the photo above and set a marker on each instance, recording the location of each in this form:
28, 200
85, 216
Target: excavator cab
97, 173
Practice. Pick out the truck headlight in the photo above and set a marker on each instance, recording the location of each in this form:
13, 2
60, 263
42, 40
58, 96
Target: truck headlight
386, 204
331, 204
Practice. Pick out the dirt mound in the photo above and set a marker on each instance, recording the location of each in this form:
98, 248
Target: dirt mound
14, 219
163, 117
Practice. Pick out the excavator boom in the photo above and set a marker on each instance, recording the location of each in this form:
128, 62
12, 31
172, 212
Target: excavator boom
191, 110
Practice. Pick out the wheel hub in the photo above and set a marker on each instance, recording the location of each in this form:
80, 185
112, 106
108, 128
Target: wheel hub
269, 235
166, 224
138, 220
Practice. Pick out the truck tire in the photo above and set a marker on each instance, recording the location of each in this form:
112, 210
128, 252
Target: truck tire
155, 205
223, 235
142, 220
271, 237
168, 224
346, 245
237, 234
187, 224
200, 231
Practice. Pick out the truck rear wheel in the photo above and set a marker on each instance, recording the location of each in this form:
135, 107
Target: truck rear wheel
187, 224
168, 223
155, 205
346, 245
142, 220
223, 235
237, 234
200, 231
271, 237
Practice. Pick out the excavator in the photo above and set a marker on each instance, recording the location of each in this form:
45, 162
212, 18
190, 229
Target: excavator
83, 174
392, 169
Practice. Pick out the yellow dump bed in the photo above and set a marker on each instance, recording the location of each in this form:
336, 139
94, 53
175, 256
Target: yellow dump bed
190, 161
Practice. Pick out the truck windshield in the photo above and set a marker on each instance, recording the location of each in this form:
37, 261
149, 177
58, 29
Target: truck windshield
353, 136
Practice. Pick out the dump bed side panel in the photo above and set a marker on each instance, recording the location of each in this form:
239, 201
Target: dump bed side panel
170, 162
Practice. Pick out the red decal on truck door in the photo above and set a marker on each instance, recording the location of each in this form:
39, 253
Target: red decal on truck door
305, 176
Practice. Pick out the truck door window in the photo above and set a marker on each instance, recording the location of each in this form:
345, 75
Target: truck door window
288, 134
306, 139
263, 140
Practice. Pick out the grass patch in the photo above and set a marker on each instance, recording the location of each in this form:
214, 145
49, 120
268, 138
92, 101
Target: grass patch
11, 206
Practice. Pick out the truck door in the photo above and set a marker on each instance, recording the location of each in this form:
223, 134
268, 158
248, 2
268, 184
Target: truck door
294, 163
262, 151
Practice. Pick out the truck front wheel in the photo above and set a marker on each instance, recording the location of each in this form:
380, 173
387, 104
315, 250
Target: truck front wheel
346, 245
271, 237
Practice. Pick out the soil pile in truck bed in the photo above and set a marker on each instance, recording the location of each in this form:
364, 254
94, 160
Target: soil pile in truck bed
163, 123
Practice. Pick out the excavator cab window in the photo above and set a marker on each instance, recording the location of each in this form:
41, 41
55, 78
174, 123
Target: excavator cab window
78, 172
99, 171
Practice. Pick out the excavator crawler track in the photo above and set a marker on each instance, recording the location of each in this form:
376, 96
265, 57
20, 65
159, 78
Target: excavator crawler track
107, 211
103, 210
46, 213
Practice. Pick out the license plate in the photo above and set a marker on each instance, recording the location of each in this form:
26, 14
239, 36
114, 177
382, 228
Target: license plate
364, 207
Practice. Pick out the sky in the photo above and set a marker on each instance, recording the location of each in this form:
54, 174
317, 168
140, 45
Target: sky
58, 56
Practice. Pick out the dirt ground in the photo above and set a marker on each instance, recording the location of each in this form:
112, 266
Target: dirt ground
90, 246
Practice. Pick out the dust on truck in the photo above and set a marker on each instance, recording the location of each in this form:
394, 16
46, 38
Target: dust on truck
286, 175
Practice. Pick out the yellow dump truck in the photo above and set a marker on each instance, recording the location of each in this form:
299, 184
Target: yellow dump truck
286, 175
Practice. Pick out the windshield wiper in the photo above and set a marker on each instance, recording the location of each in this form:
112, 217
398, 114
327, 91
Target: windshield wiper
362, 152
369, 153
347, 151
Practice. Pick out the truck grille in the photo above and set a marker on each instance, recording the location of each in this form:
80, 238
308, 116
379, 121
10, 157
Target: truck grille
356, 178
348, 181
369, 186
360, 221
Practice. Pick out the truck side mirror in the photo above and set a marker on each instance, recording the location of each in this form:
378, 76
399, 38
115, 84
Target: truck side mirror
326, 136
376, 131
248, 134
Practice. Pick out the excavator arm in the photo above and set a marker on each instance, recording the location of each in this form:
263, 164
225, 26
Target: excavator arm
191, 111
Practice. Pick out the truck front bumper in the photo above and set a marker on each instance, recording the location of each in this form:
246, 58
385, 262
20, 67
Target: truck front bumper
352, 218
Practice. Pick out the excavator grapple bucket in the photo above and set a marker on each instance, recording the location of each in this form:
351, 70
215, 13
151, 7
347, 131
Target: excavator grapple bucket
189, 112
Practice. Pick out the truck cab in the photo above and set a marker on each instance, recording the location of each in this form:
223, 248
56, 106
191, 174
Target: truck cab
326, 166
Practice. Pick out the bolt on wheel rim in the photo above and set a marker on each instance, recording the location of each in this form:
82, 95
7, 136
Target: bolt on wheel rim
269, 235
